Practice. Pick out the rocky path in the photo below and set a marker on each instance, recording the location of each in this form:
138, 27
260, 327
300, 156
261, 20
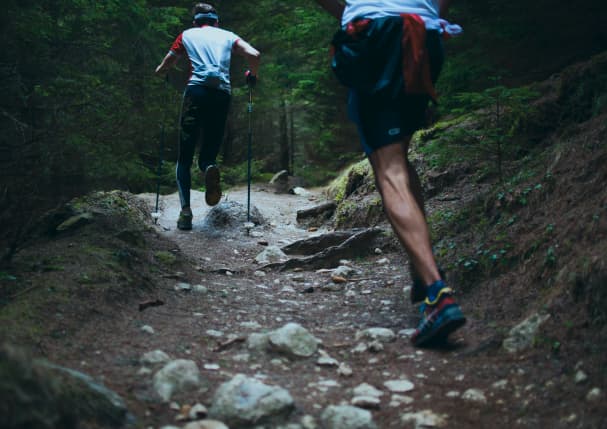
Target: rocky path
242, 346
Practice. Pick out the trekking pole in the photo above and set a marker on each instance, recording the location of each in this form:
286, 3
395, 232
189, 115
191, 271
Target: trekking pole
250, 83
249, 153
156, 213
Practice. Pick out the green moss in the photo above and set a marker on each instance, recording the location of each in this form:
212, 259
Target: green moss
165, 258
338, 189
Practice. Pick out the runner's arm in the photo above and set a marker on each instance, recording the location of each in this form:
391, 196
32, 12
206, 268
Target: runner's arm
250, 54
167, 62
334, 7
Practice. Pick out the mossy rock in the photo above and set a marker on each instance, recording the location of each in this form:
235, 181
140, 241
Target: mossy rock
355, 177
39, 395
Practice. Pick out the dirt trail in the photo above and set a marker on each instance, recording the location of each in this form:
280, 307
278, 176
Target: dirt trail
466, 384
471, 382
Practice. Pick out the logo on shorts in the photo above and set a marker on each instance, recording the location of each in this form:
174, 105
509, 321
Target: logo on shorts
394, 131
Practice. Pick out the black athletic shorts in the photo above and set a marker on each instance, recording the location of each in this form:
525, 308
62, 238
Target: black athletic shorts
382, 121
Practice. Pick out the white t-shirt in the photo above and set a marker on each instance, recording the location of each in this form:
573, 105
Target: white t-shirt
209, 50
428, 10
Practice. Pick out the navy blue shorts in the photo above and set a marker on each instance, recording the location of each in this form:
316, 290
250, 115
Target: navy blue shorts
382, 121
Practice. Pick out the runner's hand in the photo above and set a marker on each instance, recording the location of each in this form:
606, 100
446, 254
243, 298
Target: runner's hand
250, 78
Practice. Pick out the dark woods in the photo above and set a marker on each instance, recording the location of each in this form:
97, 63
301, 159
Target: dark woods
81, 109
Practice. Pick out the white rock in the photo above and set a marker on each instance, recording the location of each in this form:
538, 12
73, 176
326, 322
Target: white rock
347, 417
241, 357
250, 325
344, 370
183, 287
258, 341
328, 383
214, 333
211, 366
293, 340
144, 371
522, 335
474, 395
580, 376
343, 271
406, 333
384, 335
360, 348
398, 400
259, 273
326, 360
299, 278
154, 357
501, 384
365, 389
198, 411
176, 376
453, 394
147, 329
399, 386
595, 394
271, 254
243, 401
200, 289
308, 422
425, 419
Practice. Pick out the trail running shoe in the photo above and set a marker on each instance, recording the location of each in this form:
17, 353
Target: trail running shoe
440, 315
184, 222
212, 184
418, 288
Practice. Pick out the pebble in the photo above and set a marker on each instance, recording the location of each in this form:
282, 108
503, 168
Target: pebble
399, 386
580, 376
344, 370
366, 389
594, 394
474, 395
398, 400
501, 384
200, 289
147, 329
184, 287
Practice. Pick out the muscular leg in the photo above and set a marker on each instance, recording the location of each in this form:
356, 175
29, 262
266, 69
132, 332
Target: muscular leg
400, 189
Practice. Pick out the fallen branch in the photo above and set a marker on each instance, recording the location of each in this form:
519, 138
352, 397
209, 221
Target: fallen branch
222, 346
151, 303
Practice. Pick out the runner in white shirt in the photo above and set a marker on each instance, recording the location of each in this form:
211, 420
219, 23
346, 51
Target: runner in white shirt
206, 99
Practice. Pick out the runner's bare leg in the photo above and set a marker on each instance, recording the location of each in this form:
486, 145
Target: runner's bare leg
396, 179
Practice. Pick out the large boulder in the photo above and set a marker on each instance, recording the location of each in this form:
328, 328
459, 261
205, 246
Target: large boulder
37, 394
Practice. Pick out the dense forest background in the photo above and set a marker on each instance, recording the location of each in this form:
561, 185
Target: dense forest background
82, 110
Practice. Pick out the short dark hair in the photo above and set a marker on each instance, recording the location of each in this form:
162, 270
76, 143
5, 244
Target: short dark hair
203, 8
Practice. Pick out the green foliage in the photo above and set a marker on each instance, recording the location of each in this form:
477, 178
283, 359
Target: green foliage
238, 174
487, 129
